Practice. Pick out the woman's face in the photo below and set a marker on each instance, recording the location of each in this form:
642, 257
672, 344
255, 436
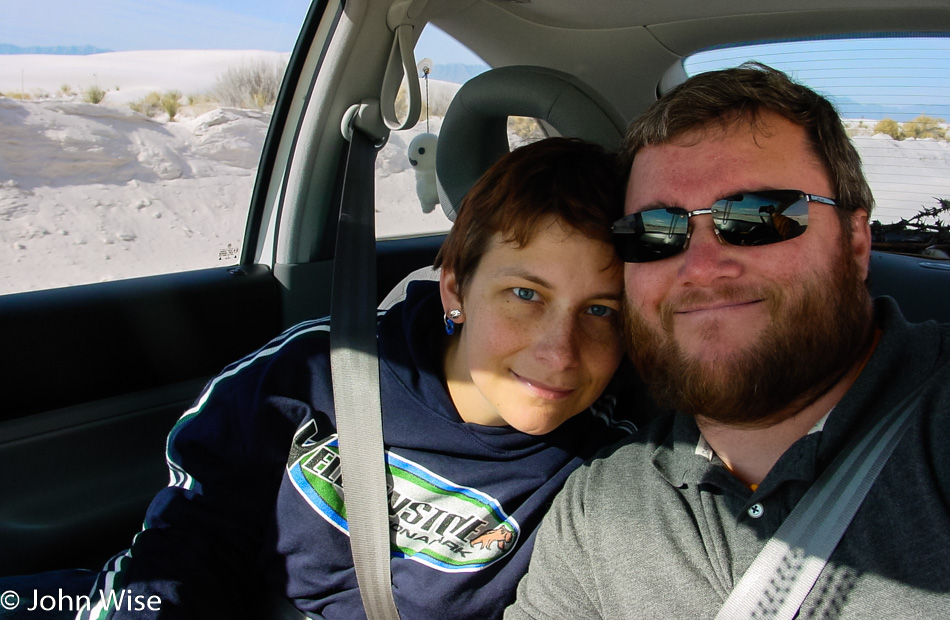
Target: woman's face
540, 330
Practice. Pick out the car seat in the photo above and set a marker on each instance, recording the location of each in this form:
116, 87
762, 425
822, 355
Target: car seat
474, 132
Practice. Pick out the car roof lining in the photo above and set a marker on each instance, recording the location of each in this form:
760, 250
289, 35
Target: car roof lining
641, 45
573, 15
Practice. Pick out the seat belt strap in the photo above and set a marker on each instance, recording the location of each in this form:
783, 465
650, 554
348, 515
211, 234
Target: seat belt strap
784, 572
355, 373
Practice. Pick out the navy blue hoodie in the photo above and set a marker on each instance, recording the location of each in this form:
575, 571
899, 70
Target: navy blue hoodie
255, 497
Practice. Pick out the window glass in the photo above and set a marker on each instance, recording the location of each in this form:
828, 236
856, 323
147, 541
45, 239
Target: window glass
406, 198
406, 203
523, 130
130, 133
894, 97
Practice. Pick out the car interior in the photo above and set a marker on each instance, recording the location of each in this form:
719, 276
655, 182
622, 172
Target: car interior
96, 374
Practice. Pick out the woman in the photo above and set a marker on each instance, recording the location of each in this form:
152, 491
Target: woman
488, 385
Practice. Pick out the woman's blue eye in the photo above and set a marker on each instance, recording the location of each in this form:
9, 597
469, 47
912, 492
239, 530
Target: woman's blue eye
599, 310
526, 294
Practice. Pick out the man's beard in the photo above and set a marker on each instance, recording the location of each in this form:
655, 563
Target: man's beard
807, 347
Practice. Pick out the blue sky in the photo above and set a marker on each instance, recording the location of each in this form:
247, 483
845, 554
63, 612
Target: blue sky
881, 75
166, 24
122, 25
443, 49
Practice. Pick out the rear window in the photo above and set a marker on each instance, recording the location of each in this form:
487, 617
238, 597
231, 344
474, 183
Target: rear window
894, 97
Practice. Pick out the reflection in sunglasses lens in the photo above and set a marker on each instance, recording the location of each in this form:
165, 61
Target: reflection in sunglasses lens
750, 219
663, 234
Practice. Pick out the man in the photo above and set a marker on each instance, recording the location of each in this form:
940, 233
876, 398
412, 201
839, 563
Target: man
747, 314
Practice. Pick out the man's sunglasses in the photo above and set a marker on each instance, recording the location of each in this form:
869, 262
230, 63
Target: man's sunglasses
753, 218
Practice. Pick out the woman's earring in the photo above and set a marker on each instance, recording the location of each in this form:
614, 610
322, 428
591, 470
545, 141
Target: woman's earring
449, 322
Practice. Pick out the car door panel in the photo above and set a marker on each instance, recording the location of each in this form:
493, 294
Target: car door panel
99, 375
83, 477
104, 372
88, 342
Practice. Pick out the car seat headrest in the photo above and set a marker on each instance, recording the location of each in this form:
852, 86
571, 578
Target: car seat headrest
474, 131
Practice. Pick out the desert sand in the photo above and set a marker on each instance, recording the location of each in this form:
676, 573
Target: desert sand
92, 193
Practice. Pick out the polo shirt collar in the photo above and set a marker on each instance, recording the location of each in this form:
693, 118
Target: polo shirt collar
682, 457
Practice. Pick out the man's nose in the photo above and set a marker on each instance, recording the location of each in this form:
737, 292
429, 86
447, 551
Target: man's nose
707, 256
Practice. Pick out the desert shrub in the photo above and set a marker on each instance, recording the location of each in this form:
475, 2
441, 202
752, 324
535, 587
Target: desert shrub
170, 103
149, 105
66, 90
924, 127
252, 85
199, 99
890, 127
527, 129
155, 103
21, 96
93, 94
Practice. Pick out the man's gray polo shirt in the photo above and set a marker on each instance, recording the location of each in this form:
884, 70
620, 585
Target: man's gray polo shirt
660, 529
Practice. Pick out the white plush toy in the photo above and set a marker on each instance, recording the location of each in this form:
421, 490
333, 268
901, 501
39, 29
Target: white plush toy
422, 158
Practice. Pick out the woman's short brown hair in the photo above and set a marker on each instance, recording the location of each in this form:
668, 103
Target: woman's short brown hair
576, 182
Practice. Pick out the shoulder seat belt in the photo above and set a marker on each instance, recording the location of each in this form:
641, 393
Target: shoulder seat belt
355, 374
786, 569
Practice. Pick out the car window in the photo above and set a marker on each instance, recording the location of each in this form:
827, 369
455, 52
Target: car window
406, 197
406, 200
130, 134
894, 97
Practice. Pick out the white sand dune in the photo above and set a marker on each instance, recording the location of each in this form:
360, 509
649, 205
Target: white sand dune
905, 175
90, 193
126, 76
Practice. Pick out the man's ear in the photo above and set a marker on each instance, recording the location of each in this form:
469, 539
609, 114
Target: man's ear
449, 292
861, 241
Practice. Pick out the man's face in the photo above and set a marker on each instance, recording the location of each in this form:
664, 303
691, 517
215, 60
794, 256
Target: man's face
745, 335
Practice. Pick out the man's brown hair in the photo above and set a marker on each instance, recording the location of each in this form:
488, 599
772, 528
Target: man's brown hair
742, 94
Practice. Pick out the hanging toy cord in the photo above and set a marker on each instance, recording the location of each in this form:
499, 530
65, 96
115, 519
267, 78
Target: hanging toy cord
425, 71
425, 67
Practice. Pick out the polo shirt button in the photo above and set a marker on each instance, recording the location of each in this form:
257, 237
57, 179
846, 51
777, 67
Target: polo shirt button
756, 510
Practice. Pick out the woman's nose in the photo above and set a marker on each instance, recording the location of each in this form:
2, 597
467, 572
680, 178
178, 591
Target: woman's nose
557, 342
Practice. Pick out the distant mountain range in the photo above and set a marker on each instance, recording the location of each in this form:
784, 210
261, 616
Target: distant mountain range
849, 108
59, 50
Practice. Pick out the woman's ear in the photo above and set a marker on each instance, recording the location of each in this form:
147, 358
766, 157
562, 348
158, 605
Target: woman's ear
449, 291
